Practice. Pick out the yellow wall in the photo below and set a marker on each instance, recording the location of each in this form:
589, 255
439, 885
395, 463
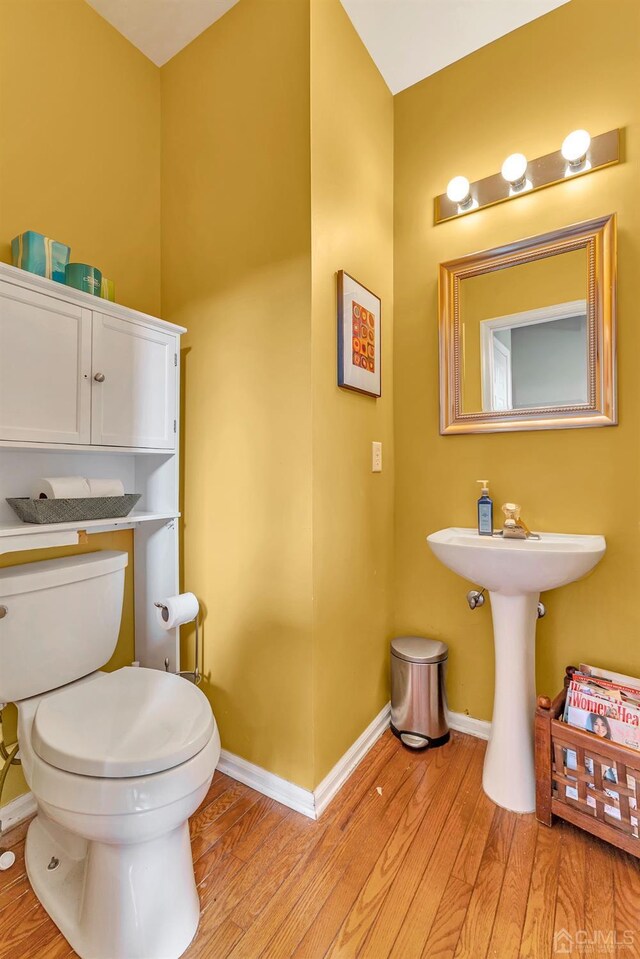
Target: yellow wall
80, 162
583, 481
352, 229
283, 520
236, 270
80, 144
528, 286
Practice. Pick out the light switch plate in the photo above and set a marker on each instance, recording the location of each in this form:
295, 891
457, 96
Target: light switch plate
376, 457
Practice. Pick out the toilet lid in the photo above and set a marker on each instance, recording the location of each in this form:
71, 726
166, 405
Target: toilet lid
132, 722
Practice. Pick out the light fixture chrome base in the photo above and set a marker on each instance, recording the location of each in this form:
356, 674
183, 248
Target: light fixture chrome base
517, 186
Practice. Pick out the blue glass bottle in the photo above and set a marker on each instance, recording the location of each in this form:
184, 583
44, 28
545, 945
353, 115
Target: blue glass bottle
485, 510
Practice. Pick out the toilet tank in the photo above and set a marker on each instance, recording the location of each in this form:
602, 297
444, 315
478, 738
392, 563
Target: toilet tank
59, 620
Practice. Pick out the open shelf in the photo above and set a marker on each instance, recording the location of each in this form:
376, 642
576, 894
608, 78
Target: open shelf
21, 536
81, 448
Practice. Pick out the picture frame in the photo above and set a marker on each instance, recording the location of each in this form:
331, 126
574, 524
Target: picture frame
359, 337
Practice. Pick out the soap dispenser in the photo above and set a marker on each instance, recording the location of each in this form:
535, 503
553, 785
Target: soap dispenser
485, 510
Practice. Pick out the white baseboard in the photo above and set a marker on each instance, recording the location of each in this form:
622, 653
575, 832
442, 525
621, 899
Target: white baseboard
309, 803
338, 776
283, 791
17, 811
305, 801
479, 728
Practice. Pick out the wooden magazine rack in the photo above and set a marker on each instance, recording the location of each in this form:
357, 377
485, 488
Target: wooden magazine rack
553, 740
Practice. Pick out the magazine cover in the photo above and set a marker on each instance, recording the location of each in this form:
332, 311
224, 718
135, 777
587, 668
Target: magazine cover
608, 689
617, 721
617, 678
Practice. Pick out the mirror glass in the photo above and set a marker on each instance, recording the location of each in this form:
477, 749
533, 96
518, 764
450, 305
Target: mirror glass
525, 336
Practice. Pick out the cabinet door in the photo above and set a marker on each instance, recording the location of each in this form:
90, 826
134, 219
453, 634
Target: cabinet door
45, 368
134, 385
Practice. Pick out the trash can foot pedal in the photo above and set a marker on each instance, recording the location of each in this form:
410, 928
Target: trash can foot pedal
415, 742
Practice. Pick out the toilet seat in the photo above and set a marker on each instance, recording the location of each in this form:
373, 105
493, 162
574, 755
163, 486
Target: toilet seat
129, 723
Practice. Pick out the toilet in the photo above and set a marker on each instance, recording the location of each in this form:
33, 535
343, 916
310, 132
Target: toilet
117, 762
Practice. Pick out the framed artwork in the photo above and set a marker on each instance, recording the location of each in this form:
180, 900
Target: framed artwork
359, 337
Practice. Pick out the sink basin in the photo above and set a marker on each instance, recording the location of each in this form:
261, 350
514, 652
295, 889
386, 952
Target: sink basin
514, 566
514, 572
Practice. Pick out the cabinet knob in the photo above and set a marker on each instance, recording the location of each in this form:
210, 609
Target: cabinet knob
3, 612
99, 377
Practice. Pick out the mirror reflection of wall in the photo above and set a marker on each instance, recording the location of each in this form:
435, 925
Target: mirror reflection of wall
525, 335
536, 359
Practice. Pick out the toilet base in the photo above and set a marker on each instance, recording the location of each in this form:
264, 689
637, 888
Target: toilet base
133, 901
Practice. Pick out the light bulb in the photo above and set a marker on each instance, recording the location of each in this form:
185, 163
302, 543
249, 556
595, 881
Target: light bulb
458, 190
514, 169
574, 147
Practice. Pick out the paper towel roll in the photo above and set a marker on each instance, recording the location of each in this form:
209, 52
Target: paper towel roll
60, 487
176, 610
106, 487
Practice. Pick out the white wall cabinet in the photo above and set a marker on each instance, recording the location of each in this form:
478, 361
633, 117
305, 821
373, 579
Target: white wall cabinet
76, 375
134, 385
91, 388
45, 368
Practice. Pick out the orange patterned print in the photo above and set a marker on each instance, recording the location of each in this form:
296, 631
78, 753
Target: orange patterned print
363, 338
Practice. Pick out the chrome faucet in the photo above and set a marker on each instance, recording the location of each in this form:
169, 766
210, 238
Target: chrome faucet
514, 526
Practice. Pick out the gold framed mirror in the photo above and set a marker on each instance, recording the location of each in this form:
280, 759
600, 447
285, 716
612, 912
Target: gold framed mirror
528, 333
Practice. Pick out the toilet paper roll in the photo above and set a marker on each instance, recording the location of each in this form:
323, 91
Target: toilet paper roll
176, 610
106, 487
60, 487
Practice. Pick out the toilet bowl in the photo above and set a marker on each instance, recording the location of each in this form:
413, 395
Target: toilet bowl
109, 855
117, 763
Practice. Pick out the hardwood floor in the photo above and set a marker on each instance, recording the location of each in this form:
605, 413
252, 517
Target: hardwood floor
410, 860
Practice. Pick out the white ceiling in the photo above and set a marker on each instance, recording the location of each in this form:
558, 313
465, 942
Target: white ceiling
408, 39
411, 39
161, 28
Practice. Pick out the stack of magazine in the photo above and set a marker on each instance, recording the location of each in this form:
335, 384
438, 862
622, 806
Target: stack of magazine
606, 704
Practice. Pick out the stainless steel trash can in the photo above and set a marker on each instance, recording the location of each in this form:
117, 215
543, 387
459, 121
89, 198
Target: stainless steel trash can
418, 694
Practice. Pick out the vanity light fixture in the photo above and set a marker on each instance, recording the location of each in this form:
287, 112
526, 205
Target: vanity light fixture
514, 171
580, 154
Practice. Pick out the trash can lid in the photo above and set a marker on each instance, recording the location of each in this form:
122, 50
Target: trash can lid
417, 649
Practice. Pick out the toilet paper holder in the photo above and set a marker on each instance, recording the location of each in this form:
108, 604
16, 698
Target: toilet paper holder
193, 675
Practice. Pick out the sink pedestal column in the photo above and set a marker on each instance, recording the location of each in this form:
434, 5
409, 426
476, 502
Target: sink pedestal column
509, 770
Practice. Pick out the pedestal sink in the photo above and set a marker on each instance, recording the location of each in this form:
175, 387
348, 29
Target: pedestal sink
514, 572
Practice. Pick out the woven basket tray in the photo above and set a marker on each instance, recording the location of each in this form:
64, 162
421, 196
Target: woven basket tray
72, 510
